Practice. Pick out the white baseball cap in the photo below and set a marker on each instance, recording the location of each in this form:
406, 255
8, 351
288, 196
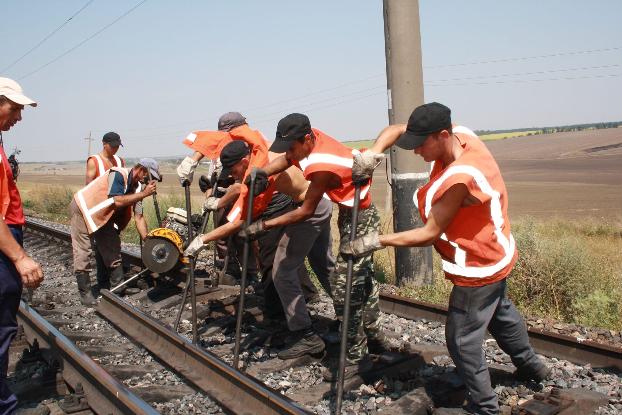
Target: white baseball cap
11, 89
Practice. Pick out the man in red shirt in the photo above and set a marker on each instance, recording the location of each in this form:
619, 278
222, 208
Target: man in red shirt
17, 269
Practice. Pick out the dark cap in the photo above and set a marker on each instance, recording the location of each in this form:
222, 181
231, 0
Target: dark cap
230, 120
290, 128
231, 154
425, 120
112, 138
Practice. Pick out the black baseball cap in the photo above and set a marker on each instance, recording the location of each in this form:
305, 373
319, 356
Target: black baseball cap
426, 119
112, 138
231, 154
290, 128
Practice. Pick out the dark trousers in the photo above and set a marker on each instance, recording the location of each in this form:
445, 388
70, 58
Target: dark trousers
472, 310
10, 294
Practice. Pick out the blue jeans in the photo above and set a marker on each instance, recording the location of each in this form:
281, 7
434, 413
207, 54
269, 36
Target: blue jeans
10, 294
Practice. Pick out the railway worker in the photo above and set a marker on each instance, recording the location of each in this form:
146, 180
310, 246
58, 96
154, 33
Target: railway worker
101, 210
231, 126
327, 164
17, 269
96, 165
464, 211
282, 249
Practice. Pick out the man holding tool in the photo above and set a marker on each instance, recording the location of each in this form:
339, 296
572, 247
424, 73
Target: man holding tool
282, 252
231, 126
101, 210
464, 210
327, 165
96, 165
17, 269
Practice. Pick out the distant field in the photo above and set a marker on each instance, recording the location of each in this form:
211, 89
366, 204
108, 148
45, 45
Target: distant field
501, 136
568, 175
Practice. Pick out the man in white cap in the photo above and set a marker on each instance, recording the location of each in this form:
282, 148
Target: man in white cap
17, 269
101, 210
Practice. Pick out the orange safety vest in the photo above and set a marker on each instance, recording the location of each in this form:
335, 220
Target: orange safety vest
329, 155
211, 143
104, 165
477, 248
5, 197
97, 208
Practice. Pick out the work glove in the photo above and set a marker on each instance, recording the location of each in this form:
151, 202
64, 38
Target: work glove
204, 183
361, 246
253, 231
261, 181
217, 167
364, 164
210, 204
185, 170
195, 246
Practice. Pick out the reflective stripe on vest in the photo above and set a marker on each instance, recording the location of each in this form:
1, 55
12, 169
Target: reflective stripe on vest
93, 201
101, 166
460, 268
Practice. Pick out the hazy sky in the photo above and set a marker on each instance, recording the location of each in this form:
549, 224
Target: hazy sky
170, 67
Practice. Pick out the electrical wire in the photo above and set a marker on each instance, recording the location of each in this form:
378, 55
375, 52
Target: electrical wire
42, 41
82, 42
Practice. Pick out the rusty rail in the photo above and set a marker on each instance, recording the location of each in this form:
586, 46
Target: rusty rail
545, 342
104, 393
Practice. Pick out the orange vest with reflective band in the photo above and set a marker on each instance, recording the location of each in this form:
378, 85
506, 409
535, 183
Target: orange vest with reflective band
211, 143
10, 200
477, 248
96, 207
329, 155
103, 165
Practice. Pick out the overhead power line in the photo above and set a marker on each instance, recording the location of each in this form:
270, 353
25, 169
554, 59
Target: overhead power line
42, 41
524, 58
68, 51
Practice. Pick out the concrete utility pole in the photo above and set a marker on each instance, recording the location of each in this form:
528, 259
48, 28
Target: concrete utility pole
405, 93
90, 140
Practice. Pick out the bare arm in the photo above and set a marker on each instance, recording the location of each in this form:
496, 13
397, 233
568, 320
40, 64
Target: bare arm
223, 231
197, 156
91, 170
319, 185
128, 200
277, 165
141, 225
387, 137
441, 215
232, 194
29, 270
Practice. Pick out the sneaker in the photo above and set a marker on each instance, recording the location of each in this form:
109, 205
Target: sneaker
311, 344
379, 345
352, 369
538, 375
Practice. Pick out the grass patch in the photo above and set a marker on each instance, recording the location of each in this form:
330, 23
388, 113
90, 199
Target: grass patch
568, 271
503, 136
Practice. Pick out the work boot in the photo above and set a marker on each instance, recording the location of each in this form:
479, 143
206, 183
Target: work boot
116, 278
352, 369
379, 344
541, 373
84, 288
307, 343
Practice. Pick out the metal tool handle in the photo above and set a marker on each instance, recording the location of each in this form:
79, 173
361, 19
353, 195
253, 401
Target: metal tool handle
346, 309
240, 311
156, 206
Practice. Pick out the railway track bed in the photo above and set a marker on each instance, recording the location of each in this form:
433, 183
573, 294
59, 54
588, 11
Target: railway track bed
421, 374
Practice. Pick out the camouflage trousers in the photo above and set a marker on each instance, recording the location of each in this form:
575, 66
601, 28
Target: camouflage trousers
364, 310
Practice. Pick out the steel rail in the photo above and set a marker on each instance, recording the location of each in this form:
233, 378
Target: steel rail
576, 350
104, 393
238, 392
545, 342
